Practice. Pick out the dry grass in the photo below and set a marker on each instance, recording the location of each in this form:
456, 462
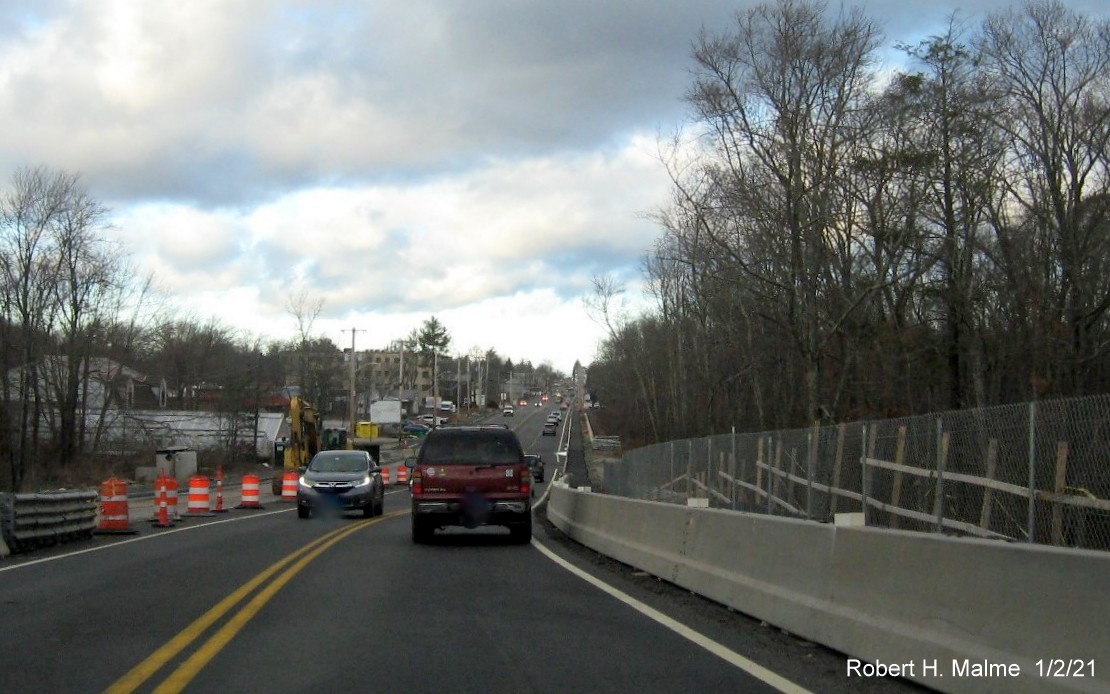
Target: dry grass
89, 472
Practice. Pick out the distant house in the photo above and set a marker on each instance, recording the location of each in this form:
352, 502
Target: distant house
104, 383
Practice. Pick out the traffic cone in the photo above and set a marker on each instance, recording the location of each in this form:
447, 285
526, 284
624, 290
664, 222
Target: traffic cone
220, 490
163, 520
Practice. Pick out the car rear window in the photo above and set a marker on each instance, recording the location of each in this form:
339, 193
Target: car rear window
445, 447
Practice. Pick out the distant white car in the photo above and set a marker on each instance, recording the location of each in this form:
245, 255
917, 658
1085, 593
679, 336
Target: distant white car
508, 411
432, 419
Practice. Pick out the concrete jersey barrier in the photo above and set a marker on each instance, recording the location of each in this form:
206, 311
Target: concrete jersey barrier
956, 614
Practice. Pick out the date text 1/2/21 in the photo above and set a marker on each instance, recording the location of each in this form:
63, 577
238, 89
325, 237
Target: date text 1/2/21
1060, 667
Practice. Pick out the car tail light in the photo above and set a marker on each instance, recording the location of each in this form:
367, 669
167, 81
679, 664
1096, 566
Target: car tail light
417, 481
526, 481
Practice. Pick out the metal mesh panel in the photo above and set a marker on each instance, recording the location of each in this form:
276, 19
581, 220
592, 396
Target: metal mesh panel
1034, 472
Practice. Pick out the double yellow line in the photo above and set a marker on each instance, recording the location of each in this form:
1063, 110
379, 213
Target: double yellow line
189, 669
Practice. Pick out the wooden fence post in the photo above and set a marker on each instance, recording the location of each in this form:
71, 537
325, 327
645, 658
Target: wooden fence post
1061, 486
776, 465
689, 468
840, 430
732, 470
709, 464
811, 468
791, 469
759, 458
1031, 519
899, 459
942, 461
868, 442
988, 491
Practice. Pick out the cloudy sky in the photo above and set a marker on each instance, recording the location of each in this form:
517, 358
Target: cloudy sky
476, 160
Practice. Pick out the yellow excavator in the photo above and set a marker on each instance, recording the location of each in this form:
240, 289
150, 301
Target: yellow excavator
304, 440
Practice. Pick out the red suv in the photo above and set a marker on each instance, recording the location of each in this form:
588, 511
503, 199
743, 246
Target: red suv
471, 476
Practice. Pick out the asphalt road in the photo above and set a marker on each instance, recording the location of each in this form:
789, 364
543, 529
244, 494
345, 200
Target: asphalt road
264, 601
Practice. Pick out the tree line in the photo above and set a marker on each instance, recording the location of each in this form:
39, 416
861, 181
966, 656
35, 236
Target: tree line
847, 241
77, 320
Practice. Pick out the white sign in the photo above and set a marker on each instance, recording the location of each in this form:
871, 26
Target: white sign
385, 412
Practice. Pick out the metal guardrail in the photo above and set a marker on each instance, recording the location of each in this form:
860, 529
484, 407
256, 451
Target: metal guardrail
32, 520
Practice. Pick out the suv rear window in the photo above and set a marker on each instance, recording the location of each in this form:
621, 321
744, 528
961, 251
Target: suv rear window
470, 447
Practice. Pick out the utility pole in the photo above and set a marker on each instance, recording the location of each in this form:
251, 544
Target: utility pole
257, 394
351, 394
458, 381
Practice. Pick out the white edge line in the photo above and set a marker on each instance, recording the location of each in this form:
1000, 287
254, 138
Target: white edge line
148, 537
728, 655
140, 539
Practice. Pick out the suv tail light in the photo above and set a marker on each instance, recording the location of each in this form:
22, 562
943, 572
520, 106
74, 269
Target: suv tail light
526, 481
417, 481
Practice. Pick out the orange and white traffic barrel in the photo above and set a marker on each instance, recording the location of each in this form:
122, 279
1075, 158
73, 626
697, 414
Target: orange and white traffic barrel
171, 498
385, 475
402, 475
250, 496
199, 496
289, 485
114, 513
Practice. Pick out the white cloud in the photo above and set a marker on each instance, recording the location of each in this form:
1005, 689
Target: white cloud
505, 251
401, 158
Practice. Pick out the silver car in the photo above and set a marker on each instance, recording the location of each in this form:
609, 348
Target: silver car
338, 481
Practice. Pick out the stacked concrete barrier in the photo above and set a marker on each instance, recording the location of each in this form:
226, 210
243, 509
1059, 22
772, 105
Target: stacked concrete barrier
880, 596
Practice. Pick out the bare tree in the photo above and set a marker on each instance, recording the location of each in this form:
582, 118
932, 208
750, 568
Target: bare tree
1051, 67
126, 337
780, 96
945, 157
941, 242
305, 310
28, 262
88, 275
605, 307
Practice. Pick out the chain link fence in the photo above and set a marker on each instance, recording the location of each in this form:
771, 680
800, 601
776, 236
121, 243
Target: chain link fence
1032, 472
